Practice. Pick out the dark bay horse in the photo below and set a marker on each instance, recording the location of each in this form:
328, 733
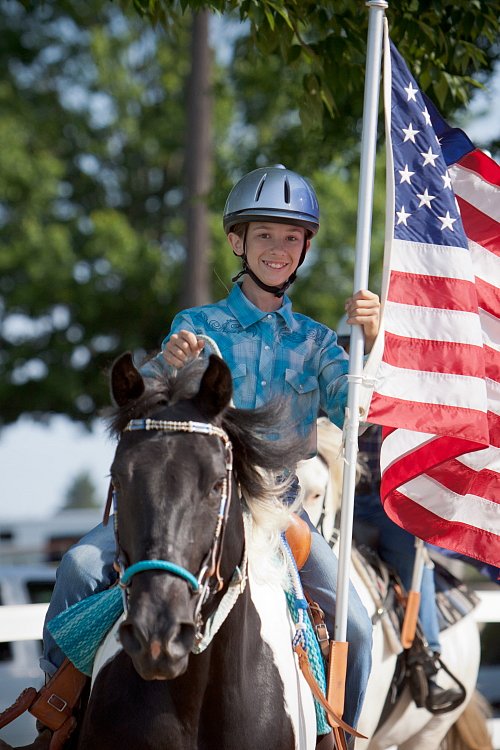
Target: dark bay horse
182, 550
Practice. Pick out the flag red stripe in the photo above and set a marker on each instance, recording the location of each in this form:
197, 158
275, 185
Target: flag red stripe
421, 460
432, 418
433, 356
487, 296
492, 363
494, 428
479, 227
432, 291
468, 540
477, 161
463, 480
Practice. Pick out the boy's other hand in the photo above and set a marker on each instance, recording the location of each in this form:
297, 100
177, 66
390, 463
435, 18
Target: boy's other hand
363, 309
181, 348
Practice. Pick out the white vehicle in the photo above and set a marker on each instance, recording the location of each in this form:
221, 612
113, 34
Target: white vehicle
21, 585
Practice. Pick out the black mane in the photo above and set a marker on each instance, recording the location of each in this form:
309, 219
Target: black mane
247, 428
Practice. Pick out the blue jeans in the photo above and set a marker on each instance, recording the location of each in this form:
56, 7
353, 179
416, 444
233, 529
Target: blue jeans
86, 568
319, 579
397, 547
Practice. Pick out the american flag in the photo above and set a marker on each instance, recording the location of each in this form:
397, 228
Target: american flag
436, 364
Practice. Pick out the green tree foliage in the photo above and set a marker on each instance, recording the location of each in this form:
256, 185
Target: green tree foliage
81, 493
90, 169
451, 46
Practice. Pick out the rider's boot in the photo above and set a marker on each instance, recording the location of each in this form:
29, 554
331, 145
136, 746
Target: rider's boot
53, 706
440, 700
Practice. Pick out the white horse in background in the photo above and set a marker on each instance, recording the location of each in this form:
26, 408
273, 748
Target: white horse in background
407, 727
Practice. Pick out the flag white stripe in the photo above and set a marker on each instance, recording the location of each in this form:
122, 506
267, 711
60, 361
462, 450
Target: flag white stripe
488, 458
491, 332
469, 509
431, 324
493, 391
416, 386
437, 260
485, 263
400, 443
475, 190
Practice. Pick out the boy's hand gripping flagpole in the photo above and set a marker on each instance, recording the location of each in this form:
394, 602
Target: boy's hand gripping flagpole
361, 273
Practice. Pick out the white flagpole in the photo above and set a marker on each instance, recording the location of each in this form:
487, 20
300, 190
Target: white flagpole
361, 273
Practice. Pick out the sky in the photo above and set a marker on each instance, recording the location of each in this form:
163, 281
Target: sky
38, 463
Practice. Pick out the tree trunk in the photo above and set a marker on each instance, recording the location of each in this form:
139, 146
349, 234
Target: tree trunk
198, 163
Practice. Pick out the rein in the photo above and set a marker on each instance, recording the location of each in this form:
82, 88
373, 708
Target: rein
210, 567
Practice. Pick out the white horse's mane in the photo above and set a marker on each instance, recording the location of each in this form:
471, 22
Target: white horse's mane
270, 519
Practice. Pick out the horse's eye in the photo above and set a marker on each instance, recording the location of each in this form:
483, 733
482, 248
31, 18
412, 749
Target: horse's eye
218, 486
115, 483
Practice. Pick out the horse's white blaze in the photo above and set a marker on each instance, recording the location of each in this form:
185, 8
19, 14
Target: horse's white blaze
277, 631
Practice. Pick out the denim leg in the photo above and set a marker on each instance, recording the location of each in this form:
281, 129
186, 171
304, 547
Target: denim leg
397, 547
319, 578
85, 569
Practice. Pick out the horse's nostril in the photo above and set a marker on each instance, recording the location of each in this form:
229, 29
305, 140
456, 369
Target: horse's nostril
130, 641
180, 640
186, 635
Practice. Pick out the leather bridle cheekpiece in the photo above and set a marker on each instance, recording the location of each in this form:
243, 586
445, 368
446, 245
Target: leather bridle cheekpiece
210, 566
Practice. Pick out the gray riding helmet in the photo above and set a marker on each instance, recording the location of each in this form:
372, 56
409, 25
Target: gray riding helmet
274, 193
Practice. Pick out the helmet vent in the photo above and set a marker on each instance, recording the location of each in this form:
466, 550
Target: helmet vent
287, 190
260, 186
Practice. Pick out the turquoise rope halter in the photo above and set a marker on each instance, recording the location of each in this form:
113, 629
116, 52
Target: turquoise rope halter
169, 567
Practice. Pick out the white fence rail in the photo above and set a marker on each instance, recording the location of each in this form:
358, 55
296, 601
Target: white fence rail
22, 622
25, 622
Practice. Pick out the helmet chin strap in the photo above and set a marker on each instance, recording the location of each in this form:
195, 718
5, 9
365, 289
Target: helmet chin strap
278, 291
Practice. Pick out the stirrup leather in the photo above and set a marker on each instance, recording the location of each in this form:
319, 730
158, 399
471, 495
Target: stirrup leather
53, 704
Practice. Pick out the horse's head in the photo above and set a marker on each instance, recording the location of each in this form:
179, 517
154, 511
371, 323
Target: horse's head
169, 485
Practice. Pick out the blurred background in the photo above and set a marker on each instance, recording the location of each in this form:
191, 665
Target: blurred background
121, 134
122, 128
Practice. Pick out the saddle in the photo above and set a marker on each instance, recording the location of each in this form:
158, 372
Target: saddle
454, 599
416, 665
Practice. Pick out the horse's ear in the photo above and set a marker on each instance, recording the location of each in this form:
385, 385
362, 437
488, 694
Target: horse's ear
216, 388
126, 381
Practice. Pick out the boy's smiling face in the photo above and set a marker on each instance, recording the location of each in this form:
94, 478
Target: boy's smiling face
273, 249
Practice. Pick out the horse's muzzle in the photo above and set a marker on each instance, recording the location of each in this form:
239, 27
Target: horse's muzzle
158, 655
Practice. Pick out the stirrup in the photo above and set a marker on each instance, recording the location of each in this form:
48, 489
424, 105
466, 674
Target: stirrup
455, 696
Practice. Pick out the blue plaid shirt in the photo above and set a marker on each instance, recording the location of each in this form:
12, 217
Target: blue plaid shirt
274, 355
